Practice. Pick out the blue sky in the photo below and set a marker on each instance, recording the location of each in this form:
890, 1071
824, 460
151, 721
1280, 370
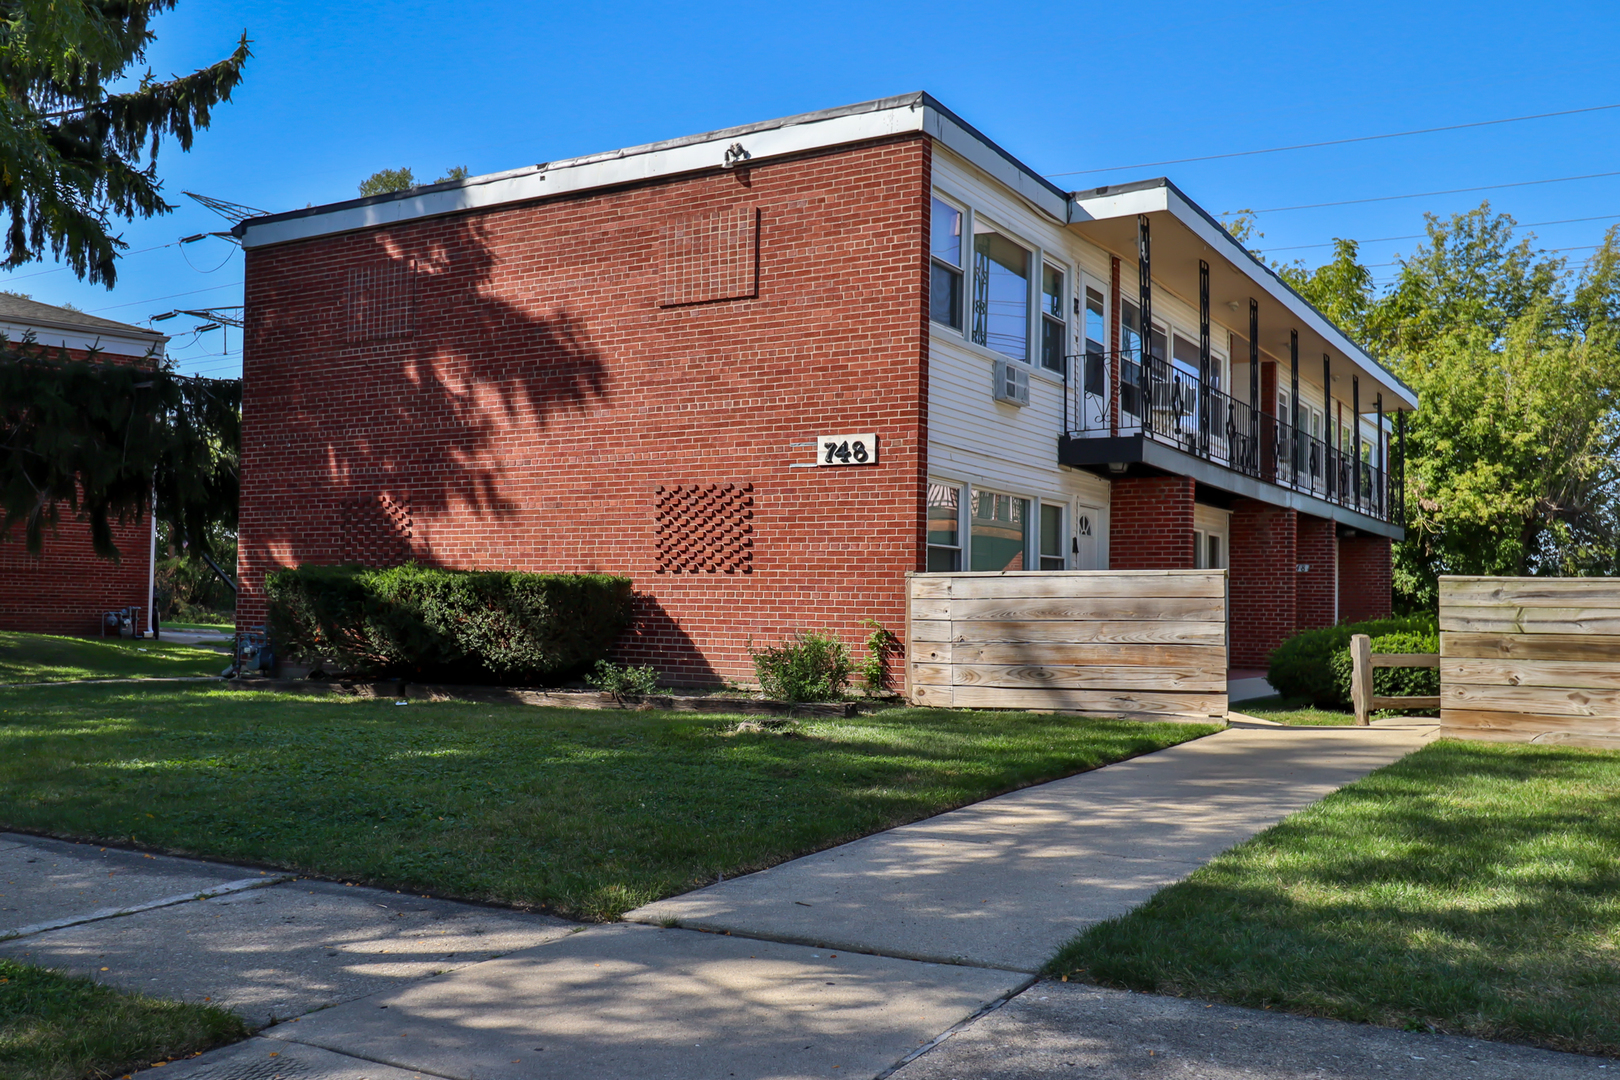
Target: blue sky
336, 91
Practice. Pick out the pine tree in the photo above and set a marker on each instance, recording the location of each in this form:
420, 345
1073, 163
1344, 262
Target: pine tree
79, 135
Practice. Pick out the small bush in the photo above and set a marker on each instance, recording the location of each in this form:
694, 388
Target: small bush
1392, 682
449, 625
879, 644
807, 667
1302, 667
610, 678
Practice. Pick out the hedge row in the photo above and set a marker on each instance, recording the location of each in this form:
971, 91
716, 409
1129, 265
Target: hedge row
1307, 667
448, 625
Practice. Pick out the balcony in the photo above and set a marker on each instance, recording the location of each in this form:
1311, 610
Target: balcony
1191, 420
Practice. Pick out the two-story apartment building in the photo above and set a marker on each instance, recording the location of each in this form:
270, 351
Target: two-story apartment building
768, 371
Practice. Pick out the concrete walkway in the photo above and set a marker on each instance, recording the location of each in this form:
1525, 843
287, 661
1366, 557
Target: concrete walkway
825, 966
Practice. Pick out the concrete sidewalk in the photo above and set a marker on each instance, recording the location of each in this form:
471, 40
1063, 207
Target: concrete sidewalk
1004, 882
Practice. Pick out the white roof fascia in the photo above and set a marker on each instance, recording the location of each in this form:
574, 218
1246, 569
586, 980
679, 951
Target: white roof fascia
894, 116
84, 340
1165, 198
595, 171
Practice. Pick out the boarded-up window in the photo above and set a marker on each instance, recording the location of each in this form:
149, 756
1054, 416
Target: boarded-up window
712, 257
380, 301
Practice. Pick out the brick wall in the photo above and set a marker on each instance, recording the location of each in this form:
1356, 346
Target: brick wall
66, 588
516, 386
1364, 578
1151, 523
1316, 546
1263, 585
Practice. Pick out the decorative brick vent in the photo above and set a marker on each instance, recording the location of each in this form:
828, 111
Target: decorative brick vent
376, 531
380, 301
705, 529
712, 257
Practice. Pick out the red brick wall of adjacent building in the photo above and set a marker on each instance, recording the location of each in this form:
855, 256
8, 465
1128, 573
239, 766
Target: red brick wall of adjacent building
523, 398
1316, 546
1151, 523
1365, 590
1263, 588
66, 587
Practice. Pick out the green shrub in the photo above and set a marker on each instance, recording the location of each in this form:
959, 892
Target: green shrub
449, 625
807, 667
610, 678
1392, 682
879, 644
1302, 667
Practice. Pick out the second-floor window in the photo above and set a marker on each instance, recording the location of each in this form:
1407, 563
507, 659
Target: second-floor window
1054, 325
945, 262
1000, 293
1096, 351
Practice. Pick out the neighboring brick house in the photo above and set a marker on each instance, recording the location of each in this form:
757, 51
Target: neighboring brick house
66, 588
636, 361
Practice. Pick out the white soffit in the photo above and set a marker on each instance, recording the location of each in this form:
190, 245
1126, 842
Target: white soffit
84, 340
1163, 197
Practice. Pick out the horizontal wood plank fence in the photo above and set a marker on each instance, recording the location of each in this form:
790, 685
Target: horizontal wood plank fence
1531, 660
1148, 644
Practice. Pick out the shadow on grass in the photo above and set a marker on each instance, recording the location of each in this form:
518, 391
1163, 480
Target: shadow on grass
1471, 888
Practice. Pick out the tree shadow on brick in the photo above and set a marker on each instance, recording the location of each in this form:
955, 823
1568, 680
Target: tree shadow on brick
397, 365
656, 638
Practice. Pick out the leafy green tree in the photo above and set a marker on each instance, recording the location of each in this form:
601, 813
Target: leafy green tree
79, 132
384, 181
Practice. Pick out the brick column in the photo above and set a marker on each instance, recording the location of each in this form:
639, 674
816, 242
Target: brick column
1151, 523
1263, 588
1364, 578
1316, 545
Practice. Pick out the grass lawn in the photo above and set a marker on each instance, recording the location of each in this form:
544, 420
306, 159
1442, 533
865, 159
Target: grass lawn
61, 1027
1288, 712
45, 658
587, 813
1472, 888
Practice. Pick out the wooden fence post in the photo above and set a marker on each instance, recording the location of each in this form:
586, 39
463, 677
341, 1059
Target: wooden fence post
1361, 684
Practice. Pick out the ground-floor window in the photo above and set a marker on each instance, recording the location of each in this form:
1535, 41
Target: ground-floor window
1209, 551
944, 528
981, 529
999, 533
1052, 555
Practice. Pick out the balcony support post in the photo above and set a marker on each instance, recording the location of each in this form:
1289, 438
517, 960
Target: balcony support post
1293, 403
1381, 456
1203, 356
1327, 425
1355, 429
1144, 308
1254, 386
1400, 453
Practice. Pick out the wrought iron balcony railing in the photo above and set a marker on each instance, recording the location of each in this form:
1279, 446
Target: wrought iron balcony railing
1212, 425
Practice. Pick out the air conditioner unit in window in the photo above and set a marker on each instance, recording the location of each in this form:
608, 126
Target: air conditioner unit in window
1011, 383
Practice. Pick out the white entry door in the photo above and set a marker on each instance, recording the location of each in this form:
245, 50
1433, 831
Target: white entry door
1085, 549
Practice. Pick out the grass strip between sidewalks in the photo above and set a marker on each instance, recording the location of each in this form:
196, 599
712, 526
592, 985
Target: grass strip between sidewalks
1471, 888
586, 813
63, 1027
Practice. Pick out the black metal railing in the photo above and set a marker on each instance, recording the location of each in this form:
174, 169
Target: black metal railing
1212, 425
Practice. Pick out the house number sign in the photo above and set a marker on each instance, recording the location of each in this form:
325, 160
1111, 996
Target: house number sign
847, 450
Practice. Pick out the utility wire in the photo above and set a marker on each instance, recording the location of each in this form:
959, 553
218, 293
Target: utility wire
1337, 142
59, 269
1424, 236
171, 296
1428, 194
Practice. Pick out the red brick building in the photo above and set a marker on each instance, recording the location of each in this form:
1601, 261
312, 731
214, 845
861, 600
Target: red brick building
768, 371
66, 588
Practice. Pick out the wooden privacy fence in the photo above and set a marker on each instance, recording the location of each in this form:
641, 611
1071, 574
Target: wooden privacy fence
1145, 643
1363, 662
1530, 659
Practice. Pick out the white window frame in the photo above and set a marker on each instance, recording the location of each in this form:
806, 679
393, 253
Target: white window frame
963, 535
1070, 279
1065, 536
966, 269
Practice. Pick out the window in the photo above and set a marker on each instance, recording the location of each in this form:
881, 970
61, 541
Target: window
999, 532
1000, 293
944, 527
1096, 351
1130, 368
1054, 326
945, 282
1052, 536
1208, 550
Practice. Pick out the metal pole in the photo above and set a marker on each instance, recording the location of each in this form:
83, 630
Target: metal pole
1382, 460
1203, 355
1293, 401
1355, 428
1400, 448
1254, 384
1327, 422
1144, 307
151, 570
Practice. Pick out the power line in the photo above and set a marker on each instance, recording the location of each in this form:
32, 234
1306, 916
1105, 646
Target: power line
1428, 194
59, 269
1337, 142
171, 296
1424, 236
